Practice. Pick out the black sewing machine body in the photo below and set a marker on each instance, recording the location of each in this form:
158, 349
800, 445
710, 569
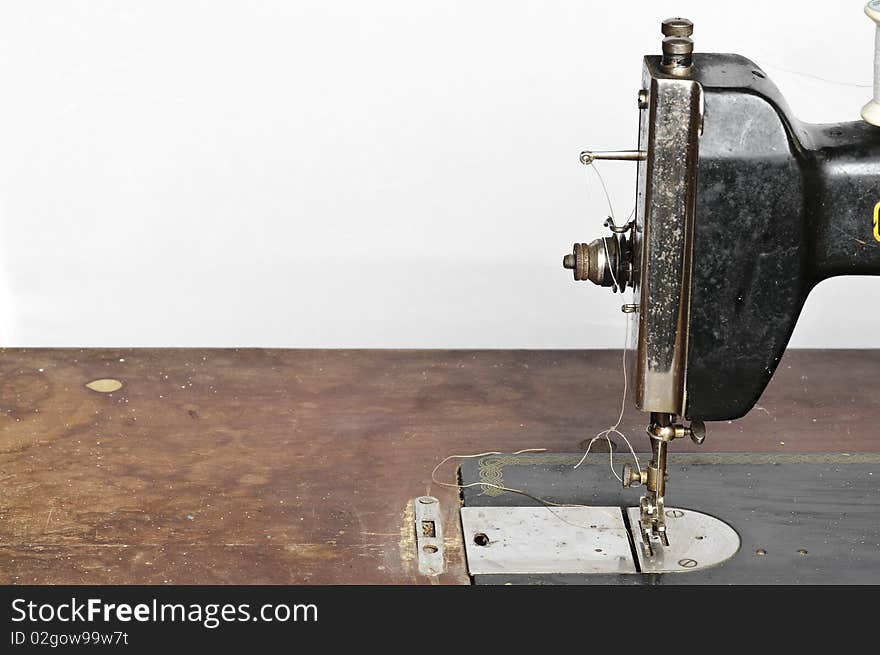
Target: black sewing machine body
768, 207
780, 206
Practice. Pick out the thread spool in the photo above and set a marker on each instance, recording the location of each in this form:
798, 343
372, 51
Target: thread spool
871, 111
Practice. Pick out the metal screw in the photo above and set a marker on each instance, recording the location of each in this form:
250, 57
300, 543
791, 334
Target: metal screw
578, 261
802, 551
643, 99
629, 308
678, 45
760, 551
427, 500
677, 27
698, 432
630, 477
677, 54
687, 563
674, 513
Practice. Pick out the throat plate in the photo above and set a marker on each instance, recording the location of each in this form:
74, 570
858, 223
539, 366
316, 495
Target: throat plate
696, 541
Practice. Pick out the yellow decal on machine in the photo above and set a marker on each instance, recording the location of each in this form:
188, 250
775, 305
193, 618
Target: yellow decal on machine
877, 221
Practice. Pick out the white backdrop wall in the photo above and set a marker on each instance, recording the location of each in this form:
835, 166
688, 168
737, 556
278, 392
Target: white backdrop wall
350, 173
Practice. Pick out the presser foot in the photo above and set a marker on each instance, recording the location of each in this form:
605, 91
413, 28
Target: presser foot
652, 525
651, 518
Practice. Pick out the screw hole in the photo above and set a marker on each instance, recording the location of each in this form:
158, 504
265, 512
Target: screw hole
760, 551
430, 549
699, 537
481, 539
758, 74
802, 551
598, 550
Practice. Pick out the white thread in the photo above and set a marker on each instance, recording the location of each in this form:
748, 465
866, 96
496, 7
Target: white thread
604, 190
614, 428
548, 504
593, 165
854, 85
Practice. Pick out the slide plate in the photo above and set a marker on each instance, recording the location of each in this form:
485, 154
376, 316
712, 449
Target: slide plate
546, 540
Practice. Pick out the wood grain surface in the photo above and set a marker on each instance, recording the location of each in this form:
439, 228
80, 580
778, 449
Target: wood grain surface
298, 466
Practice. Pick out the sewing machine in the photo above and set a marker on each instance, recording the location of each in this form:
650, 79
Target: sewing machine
741, 209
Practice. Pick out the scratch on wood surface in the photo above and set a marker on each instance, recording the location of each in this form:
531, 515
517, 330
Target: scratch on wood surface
312, 551
407, 543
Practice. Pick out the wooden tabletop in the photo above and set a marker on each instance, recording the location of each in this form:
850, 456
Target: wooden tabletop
298, 466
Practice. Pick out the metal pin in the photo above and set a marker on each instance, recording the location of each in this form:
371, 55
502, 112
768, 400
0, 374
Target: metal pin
589, 156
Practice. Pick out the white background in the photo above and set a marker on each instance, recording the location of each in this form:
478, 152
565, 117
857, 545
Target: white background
351, 173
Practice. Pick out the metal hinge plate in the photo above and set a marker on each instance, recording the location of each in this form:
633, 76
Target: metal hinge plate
429, 535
